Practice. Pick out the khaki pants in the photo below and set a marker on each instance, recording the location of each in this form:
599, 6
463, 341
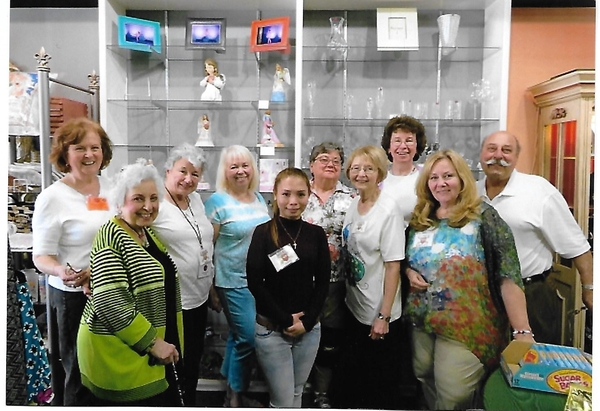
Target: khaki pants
449, 372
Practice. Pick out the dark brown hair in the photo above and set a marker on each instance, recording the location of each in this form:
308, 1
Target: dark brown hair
283, 174
407, 124
73, 132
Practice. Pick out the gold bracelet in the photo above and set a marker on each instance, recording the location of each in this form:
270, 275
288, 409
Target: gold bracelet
588, 287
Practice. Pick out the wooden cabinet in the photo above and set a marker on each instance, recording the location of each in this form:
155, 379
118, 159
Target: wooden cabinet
566, 158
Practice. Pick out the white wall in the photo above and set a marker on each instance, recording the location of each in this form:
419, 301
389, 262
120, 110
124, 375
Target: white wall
70, 37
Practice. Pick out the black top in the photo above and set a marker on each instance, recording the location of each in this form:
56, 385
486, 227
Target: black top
301, 286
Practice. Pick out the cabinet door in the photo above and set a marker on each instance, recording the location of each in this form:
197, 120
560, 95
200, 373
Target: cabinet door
561, 170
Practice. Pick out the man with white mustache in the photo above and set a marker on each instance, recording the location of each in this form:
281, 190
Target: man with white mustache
542, 224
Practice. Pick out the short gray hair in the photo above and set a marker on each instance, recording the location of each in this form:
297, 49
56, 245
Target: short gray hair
132, 175
189, 152
230, 153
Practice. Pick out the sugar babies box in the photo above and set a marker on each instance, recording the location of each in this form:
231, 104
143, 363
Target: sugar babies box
545, 367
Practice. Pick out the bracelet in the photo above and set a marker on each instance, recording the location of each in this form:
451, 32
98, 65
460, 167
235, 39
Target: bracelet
517, 332
149, 348
587, 286
382, 317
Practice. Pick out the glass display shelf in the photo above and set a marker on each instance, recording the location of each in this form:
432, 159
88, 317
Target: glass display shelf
253, 148
139, 103
233, 52
363, 122
372, 55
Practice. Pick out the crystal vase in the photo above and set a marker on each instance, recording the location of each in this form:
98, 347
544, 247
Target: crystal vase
337, 43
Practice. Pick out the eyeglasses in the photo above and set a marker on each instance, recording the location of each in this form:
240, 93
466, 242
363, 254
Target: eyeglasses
408, 142
365, 169
326, 160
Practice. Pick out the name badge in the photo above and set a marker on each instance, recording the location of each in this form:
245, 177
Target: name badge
96, 203
283, 257
205, 265
423, 239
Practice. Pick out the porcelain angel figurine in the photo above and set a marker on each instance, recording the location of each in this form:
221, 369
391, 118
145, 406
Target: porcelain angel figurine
213, 82
204, 139
281, 80
269, 137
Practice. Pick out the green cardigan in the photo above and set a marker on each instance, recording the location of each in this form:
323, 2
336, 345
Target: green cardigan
126, 311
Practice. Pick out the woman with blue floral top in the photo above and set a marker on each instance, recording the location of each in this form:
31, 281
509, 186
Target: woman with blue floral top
466, 286
327, 204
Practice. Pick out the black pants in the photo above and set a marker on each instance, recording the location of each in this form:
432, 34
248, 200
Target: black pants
65, 313
194, 326
544, 311
368, 373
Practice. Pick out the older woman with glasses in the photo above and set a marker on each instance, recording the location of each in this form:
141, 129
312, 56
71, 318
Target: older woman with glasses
328, 202
403, 141
373, 238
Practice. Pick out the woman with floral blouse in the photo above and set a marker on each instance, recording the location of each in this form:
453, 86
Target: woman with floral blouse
466, 286
327, 204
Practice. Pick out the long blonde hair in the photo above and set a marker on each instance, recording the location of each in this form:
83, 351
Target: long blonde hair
468, 203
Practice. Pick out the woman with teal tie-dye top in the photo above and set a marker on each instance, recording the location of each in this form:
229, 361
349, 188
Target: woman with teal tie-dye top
466, 287
234, 210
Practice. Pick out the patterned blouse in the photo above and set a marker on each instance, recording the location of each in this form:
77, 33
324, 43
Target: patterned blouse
458, 303
330, 216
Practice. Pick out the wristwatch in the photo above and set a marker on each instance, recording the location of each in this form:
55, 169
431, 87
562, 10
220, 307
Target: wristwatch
382, 317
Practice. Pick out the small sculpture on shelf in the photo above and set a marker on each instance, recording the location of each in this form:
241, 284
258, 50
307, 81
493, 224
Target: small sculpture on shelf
281, 80
213, 82
204, 139
269, 137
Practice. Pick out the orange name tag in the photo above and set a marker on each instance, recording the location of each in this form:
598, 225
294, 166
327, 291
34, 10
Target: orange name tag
97, 203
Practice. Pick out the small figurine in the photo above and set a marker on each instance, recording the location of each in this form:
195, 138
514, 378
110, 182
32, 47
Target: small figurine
213, 82
204, 139
269, 137
280, 79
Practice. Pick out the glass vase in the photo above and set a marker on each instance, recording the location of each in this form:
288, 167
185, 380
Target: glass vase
337, 43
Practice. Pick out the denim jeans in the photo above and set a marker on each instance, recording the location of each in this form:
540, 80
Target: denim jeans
65, 313
286, 363
240, 310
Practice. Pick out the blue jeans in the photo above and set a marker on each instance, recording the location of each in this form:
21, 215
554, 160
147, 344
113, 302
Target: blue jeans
286, 363
240, 310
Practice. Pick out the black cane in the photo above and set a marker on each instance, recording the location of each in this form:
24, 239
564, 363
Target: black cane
178, 385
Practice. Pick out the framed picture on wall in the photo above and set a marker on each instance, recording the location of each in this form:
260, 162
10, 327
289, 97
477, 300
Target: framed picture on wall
139, 34
397, 29
270, 35
205, 34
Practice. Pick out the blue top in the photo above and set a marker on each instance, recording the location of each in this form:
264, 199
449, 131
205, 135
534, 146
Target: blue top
237, 221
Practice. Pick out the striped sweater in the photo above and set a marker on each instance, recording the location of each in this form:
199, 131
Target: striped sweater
126, 311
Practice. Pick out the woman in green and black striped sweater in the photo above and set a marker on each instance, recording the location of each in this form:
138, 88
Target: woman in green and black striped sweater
131, 334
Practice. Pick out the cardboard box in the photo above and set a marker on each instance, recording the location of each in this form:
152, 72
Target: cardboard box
545, 367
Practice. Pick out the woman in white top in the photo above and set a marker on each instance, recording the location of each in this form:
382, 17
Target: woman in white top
403, 141
188, 235
65, 221
373, 236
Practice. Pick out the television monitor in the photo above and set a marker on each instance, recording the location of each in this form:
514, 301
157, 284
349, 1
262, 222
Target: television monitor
139, 34
205, 34
270, 35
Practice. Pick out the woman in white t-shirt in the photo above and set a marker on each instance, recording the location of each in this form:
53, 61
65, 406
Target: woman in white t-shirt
183, 227
404, 141
373, 236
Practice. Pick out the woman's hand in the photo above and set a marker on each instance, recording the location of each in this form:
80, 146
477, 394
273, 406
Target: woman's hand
73, 277
379, 329
164, 352
416, 280
213, 300
297, 327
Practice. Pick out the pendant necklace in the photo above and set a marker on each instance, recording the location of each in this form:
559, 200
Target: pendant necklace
194, 226
292, 238
141, 236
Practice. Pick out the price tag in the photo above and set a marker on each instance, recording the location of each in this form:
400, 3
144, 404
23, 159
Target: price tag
267, 150
263, 104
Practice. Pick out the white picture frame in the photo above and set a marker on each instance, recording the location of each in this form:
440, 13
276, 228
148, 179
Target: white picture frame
397, 29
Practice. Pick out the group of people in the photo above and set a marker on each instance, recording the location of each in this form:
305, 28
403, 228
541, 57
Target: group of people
313, 289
